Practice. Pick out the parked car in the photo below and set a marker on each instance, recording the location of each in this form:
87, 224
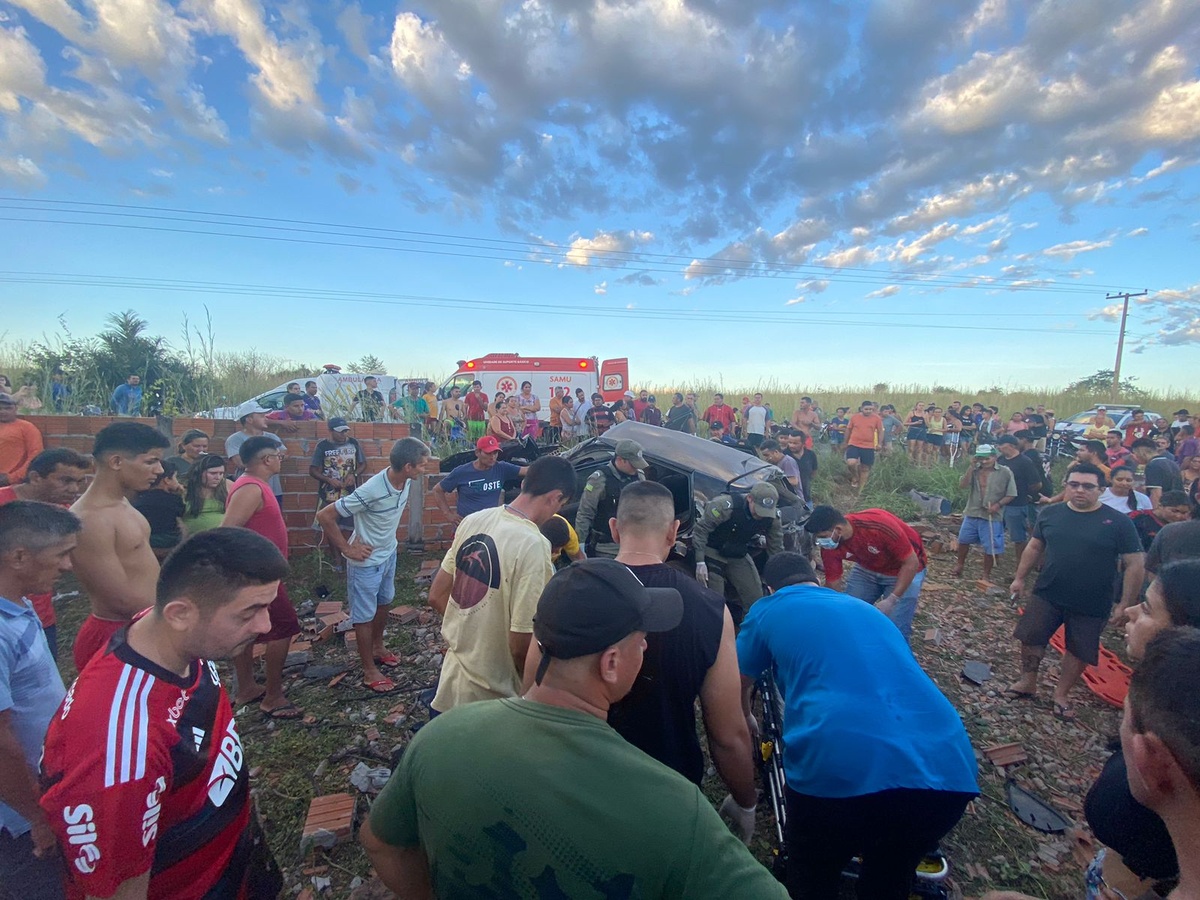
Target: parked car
1069, 430
695, 470
336, 390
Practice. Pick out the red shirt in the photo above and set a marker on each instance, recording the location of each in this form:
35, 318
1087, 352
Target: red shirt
881, 543
1135, 431
477, 404
145, 769
268, 519
722, 414
43, 604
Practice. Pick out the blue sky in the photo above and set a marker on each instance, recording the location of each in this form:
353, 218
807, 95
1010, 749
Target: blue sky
901, 191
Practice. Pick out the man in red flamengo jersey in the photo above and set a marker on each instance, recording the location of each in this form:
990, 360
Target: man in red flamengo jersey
145, 783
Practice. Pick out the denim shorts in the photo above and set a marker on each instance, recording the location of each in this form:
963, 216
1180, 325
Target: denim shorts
988, 534
1016, 520
370, 587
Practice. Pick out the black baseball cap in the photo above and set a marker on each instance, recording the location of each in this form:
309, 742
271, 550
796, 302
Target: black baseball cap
594, 603
1007, 439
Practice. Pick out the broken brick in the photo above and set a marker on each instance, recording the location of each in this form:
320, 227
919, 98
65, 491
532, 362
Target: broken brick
328, 608
1002, 755
330, 821
403, 614
372, 733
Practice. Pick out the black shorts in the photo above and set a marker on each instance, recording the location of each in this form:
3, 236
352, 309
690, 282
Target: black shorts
1042, 618
916, 434
933, 440
862, 454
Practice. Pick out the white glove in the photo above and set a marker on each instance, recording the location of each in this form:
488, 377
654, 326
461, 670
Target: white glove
702, 573
887, 604
739, 819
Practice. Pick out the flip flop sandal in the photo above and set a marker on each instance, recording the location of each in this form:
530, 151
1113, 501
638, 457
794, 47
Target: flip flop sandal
1065, 712
388, 660
382, 686
1020, 695
286, 712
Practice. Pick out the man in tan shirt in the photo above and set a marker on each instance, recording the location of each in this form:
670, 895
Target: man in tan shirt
113, 559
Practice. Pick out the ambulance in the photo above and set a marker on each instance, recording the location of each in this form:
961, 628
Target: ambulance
505, 372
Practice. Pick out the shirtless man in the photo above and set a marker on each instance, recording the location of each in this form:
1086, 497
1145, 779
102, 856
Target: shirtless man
113, 559
806, 417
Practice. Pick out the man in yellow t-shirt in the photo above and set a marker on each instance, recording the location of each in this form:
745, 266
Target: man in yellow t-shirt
488, 587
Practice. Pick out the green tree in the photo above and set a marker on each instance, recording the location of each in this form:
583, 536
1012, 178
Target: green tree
1101, 383
369, 364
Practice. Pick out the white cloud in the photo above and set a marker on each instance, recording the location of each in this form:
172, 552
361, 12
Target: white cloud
607, 247
1069, 250
890, 291
601, 288
1138, 232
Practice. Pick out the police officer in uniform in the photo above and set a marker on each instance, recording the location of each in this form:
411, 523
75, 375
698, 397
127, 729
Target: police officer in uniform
722, 538
600, 494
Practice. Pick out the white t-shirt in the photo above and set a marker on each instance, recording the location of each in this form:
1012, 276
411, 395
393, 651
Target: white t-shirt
1121, 504
377, 508
756, 420
500, 562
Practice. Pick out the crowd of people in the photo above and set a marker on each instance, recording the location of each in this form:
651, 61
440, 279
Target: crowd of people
578, 654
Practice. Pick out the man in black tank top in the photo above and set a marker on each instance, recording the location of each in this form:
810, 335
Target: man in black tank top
697, 659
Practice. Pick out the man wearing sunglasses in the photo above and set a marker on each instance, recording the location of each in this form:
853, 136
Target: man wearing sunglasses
1080, 543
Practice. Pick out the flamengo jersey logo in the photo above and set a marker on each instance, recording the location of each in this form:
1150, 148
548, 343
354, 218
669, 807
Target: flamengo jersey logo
81, 835
67, 701
153, 811
228, 765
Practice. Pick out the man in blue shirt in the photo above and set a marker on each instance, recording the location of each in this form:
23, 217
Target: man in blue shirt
127, 398
478, 484
877, 762
36, 540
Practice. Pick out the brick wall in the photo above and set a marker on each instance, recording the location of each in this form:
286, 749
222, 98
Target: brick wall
299, 488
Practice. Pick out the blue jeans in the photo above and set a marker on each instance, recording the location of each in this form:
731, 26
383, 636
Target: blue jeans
873, 587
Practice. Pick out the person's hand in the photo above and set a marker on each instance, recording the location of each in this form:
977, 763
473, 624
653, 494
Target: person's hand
1017, 588
739, 819
887, 604
1118, 617
44, 843
348, 483
1043, 500
289, 426
702, 573
359, 552
455, 518
994, 508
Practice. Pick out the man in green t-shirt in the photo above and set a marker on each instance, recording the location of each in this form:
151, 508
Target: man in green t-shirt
538, 796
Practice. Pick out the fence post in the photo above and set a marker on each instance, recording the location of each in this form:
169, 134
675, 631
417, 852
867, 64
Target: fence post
416, 516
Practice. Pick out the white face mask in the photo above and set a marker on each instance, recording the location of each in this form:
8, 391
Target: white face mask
827, 543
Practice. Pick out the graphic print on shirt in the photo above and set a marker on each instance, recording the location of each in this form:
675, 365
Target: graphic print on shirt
476, 570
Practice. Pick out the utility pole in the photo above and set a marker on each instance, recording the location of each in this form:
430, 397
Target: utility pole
1116, 384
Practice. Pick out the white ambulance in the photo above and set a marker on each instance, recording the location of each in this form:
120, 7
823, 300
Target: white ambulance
506, 371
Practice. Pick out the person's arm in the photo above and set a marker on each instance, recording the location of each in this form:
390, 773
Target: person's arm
1010, 489
241, 507
1131, 584
439, 591
965, 480
19, 787
518, 648
908, 571
404, 870
440, 497
1029, 559
327, 518
775, 538
725, 721
585, 516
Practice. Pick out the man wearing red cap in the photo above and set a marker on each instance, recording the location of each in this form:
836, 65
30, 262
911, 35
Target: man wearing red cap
478, 484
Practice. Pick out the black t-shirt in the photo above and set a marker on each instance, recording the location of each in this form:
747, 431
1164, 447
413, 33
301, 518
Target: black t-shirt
1179, 540
679, 417
1080, 563
1047, 482
1120, 822
1036, 424
1147, 526
1163, 472
371, 404
162, 510
807, 464
658, 715
1025, 474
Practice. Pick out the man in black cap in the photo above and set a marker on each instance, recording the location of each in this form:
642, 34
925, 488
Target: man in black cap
730, 526
539, 795
598, 502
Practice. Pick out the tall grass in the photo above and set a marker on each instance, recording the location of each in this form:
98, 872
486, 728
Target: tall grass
785, 398
893, 476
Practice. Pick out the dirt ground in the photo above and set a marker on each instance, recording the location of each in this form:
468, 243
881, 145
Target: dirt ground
292, 762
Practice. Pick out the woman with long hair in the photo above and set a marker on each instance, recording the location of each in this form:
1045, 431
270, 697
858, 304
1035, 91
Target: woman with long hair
191, 447
529, 405
1120, 495
503, 424
915, 423
204, 494
1137, 853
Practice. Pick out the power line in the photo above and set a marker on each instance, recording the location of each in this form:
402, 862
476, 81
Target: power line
414, 300
503, 250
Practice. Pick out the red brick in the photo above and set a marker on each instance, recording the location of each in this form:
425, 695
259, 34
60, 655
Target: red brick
403, 614
328, 608
332, 812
